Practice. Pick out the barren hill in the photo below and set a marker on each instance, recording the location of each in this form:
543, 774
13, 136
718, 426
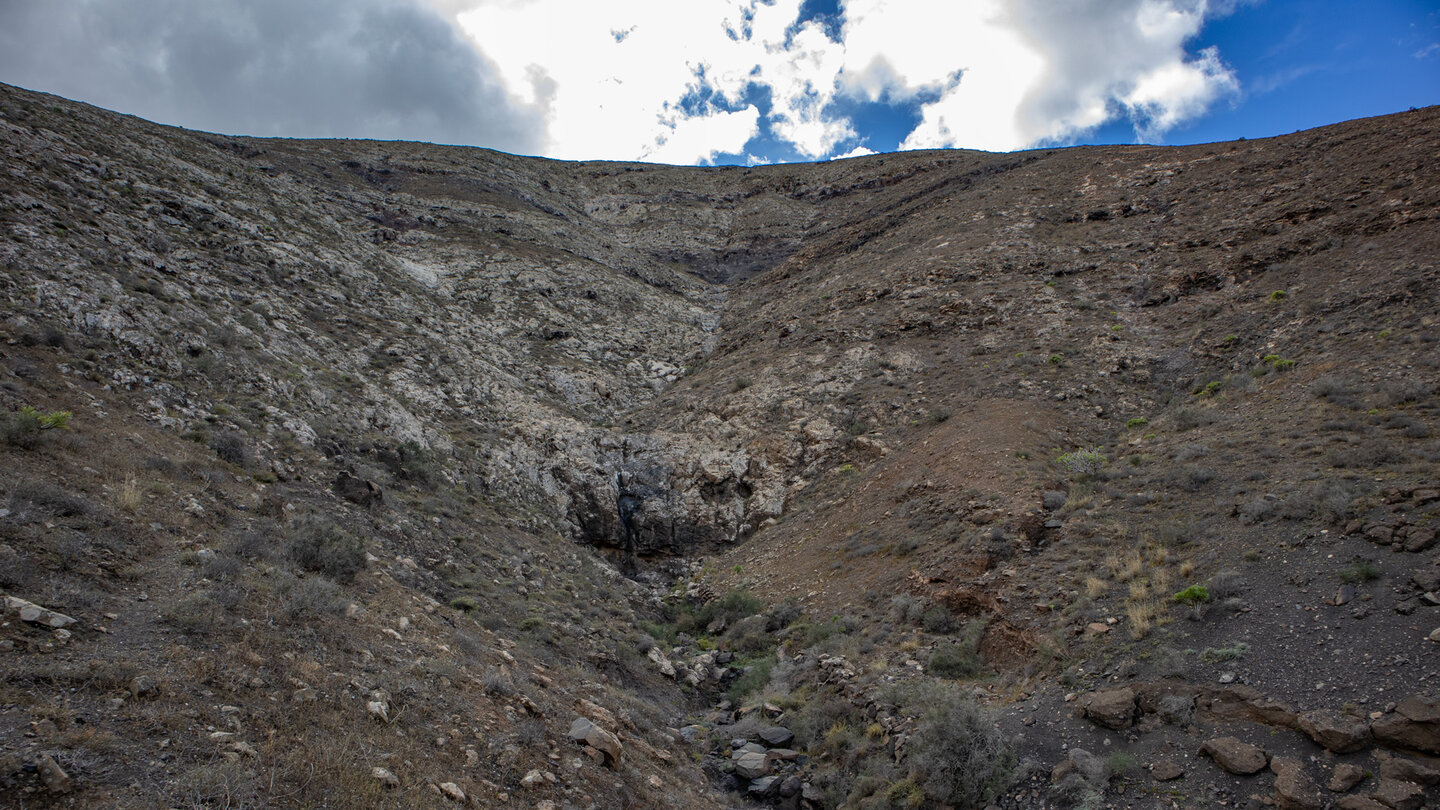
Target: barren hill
347, 473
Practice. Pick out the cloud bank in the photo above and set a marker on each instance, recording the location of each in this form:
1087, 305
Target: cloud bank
658, 80
318, 68
685, 82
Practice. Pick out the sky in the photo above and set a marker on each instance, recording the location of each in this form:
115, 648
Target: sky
718, 82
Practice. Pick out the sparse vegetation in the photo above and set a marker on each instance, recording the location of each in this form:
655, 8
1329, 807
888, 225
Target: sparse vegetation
319, 545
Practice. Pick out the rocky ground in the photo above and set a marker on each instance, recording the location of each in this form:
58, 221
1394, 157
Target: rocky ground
382, 474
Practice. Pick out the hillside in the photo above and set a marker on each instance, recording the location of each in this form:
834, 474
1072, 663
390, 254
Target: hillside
349, 473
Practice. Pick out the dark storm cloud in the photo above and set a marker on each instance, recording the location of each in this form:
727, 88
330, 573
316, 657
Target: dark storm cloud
301, 68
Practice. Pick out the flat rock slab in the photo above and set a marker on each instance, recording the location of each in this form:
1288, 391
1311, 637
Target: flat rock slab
1336, 732
1235, 756
1294, 790
776, 736
1400, 795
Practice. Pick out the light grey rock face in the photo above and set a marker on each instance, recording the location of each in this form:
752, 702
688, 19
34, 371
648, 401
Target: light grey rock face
500, 314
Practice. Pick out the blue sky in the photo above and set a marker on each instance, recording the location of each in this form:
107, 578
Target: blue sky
733, 81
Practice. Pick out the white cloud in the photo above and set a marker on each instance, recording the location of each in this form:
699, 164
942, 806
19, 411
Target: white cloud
655, 80
859, 151
659, 80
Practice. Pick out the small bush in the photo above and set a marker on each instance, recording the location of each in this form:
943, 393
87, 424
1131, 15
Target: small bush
754, 679
1359, 571
26, 427
465, 604
1231, 653
1083, 462
938, 620
318, 545
954, 660
906, 609
1195, 596
231, 448
308, 597
957, 755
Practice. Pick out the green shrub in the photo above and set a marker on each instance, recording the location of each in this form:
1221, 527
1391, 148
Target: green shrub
1194, 596
25, 427
465, 604
754, 679
317, 544
1138, 421
1359, 571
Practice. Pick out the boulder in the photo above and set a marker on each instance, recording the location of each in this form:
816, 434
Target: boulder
1408, 770
584, 731
53, 776
764, 786
452, 791
358, 490
1338, 733
661, 662
1235, 756
1345, 777
776, 736
1113, 708
751, 765
1079, 761
385, 777
1414, 724
1294, 790
1399, 795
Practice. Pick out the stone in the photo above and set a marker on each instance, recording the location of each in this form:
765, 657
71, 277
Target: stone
1077, 760
776, 736
533, 779
1415, 724
357, 490
1113, 708
661, 662
1294, 790
764, 786
1420, 539
1345, 777
379, 710
1399, 795
1166, 770
751, 765
1235, 756
1408, 770
31, 612
452, 791
582, 730
53, 776
691, 734
385, 777
142, 686
1336, 732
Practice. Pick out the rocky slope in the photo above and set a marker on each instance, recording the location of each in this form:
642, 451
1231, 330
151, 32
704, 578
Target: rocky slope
411, 441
